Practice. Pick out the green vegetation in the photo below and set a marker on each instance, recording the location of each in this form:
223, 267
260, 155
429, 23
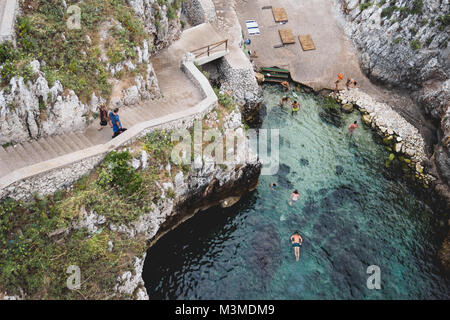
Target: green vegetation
397, 40
72, 56
417, 7
387, 12
415, 44
38, 241
224, 99
364, 6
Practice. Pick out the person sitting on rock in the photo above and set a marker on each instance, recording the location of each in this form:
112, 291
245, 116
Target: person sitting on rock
350, 83
286, 85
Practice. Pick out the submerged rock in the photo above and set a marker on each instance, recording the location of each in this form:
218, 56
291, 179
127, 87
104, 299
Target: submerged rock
304, 162
266, 256
339, 170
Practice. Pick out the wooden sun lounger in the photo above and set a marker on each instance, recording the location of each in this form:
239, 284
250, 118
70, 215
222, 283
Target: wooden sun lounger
286, 36
306, 42
279, 14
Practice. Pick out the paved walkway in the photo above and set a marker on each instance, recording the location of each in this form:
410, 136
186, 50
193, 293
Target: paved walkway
179, 93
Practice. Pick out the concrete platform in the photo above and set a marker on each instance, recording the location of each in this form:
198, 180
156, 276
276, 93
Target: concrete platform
316, 68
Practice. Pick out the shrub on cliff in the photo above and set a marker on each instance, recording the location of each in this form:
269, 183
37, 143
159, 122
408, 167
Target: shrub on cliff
117, 173
73, 56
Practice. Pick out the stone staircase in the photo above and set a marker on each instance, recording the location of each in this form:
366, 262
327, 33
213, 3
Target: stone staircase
180, 95
31, 152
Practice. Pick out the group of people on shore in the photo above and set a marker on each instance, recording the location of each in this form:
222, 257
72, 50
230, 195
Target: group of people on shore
112, 119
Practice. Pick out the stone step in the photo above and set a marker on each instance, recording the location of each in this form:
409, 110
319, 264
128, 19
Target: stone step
68, 140
43, 144
128, 119
31, 154
25, 155
147, 112
15, 160
76, 140
39, 150
55, 145
87, 143
62, 144
4, 168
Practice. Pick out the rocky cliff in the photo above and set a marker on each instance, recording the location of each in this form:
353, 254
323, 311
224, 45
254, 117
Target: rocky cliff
404, 44
105, 222
54, 78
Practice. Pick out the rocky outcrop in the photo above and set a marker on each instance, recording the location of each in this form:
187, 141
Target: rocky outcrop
161, 20
207, 184
404, 44
35, 108
199, 11
399, 136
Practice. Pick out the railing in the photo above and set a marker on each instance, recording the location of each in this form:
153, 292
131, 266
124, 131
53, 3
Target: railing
209, 49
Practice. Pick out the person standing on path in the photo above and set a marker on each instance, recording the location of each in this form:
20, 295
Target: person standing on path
296, 241
336, 83
351, 83
117, 125
104, 119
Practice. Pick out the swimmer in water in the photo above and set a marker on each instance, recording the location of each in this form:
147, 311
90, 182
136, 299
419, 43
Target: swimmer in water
284, 100
294, 197
352, 127
295, 107
273, 185
296, 241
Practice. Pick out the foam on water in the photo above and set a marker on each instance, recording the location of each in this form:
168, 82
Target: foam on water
350, 214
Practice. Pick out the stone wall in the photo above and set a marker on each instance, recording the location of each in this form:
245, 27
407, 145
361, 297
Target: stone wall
199, 11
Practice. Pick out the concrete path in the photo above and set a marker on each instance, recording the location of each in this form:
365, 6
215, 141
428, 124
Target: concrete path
179, 93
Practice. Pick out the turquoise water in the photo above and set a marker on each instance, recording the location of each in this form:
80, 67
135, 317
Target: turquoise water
351, 214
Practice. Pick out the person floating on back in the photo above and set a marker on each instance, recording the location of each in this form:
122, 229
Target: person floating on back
294, 197
295, 107
352, 127
296, 241
117, 125
104, 119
